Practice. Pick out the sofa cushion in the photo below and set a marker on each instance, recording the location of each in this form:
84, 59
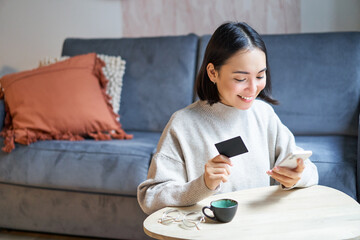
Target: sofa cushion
321, 65
335, 157
116, 166
113, 70
159, 77
65, 100
2, 114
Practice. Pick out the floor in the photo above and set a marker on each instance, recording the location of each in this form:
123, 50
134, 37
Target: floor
19, 235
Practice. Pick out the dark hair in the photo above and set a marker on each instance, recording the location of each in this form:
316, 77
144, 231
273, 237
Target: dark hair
228, 39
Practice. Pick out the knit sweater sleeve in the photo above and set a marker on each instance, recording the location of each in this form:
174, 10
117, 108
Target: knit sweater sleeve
285, 143
167, 182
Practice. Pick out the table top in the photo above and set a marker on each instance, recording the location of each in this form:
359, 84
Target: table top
317, 212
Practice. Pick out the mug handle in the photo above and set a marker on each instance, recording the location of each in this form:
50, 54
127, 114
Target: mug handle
203, 210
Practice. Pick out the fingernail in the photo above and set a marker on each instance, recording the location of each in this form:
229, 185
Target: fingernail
269, 172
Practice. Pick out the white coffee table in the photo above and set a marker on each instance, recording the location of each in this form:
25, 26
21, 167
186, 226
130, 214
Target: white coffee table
317, 212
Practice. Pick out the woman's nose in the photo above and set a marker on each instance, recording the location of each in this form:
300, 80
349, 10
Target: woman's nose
252, 85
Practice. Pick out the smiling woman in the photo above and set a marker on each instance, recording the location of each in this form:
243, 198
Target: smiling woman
245, 58
187, 167
239, 88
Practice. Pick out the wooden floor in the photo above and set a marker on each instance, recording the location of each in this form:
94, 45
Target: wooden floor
19, 235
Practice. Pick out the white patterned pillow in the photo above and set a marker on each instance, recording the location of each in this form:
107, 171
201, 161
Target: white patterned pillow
113, 70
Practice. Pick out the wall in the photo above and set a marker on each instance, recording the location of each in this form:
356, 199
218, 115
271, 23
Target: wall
173, 17
31, 30
330, 15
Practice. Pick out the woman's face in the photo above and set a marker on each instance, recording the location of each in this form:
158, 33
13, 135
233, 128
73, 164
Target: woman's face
241, 79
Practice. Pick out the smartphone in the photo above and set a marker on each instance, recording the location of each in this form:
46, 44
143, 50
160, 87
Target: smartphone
291, 160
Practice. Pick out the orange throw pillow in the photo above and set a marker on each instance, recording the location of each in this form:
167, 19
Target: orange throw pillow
66, 100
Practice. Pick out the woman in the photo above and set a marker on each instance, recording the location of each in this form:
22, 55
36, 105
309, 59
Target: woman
187, 167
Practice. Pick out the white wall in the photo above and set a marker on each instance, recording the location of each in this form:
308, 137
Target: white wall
33, 29
330, 15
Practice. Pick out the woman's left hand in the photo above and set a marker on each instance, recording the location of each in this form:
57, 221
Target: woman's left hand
286, 176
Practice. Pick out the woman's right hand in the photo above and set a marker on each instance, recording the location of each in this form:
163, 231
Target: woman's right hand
217, 170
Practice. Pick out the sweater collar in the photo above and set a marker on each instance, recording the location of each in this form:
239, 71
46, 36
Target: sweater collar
221, 110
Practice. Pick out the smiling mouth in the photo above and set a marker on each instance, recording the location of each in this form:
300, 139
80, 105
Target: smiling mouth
246, 98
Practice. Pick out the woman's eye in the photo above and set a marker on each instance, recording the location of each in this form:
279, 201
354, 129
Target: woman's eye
240, 80
260, 77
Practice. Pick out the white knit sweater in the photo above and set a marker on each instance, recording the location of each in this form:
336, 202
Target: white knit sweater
175, 176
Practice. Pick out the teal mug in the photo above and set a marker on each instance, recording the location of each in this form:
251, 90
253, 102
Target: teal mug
223, 210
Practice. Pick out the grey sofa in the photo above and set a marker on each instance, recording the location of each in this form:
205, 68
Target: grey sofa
88, 188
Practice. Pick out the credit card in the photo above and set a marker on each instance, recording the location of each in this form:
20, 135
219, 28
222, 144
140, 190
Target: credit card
231, 147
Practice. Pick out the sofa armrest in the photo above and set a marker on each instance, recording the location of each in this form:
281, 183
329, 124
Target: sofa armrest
2, 113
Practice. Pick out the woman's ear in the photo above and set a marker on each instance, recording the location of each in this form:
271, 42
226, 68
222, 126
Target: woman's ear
211, 72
